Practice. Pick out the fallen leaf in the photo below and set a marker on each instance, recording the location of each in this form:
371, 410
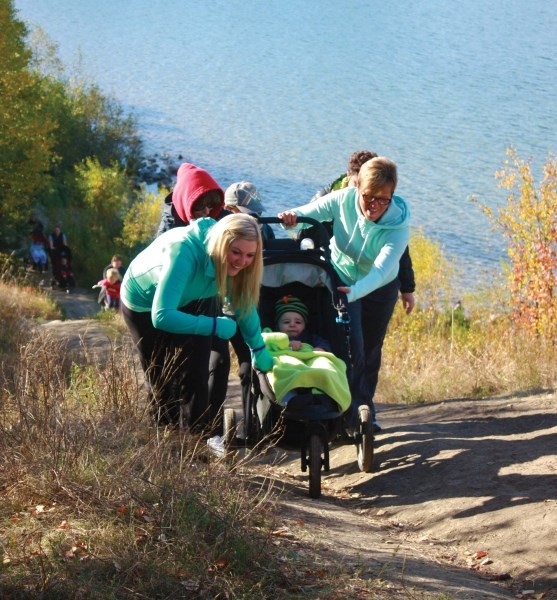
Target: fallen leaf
280, 531
221, 563
480, 554
64, 525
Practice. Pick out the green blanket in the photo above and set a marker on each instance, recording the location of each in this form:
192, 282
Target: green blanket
306, 368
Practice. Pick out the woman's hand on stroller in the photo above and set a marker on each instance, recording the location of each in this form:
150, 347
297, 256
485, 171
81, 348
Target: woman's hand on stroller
288, 218
346, 290
261, 359
225, 327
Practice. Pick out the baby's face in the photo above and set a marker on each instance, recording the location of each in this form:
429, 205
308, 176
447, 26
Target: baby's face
291, 323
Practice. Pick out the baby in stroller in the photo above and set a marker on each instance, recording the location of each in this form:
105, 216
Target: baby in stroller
291, 315
302, 359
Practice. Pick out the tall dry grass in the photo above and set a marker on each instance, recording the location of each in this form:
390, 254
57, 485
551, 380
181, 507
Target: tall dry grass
457, 343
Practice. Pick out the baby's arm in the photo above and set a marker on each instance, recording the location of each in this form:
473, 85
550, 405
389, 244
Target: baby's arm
295, 345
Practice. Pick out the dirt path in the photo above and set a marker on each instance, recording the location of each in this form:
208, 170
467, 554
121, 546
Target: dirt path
452, 480
462, 500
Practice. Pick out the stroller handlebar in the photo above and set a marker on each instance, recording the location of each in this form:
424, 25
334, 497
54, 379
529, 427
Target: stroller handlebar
340, 301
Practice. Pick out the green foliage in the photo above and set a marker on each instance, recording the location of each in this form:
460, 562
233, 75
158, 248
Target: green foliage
529, 223
26, 127
94, 219
142, 221
68, 153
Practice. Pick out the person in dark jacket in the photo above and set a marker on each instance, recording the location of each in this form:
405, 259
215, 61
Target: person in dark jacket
195, 195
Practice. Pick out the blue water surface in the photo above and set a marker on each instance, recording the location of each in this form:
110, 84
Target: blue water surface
281, 92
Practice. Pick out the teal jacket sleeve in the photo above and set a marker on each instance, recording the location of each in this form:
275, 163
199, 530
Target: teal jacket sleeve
181, 266
250, 327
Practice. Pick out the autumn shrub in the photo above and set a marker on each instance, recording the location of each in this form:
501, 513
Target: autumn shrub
459, 343
528, 221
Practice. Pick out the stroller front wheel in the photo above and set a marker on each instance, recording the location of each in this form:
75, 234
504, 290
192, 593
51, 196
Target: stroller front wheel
365, 442
228, 429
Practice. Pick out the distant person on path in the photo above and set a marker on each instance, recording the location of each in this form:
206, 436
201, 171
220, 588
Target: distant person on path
167, 301
117, 263
38, 250
370, 233
111, 285
66, 279
57, 239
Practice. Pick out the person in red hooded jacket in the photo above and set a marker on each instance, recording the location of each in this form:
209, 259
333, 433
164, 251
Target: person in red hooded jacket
195, 195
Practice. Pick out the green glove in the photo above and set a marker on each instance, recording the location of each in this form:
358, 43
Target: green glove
261, 359
225, 328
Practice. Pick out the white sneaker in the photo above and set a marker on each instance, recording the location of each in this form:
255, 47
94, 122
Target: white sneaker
216, 445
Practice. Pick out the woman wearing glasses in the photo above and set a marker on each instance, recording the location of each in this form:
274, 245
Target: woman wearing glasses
370, 233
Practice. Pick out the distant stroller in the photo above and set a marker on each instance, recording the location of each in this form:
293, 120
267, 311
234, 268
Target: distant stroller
62, 272
38, 251
308, 417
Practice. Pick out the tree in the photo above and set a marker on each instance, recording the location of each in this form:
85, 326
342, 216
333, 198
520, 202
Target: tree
26, 129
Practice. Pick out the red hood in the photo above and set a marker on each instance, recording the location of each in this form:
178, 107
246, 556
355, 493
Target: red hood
192, 182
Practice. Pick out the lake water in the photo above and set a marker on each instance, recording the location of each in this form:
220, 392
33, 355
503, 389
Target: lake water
280, 92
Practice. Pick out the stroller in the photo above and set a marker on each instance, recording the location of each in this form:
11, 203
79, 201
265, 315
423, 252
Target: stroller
309, 418
62, 272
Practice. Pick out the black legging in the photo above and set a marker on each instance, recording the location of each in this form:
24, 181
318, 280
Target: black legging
176, 366
219, 371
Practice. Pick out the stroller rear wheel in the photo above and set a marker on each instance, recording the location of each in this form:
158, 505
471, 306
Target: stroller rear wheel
365, 441
315, 463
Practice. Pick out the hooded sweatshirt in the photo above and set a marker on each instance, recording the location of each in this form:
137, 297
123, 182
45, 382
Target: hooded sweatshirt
173, 271
365, 254
191, 183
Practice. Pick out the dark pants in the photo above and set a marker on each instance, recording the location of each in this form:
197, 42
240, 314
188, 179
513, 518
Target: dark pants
176, 367
219, 371
369, 320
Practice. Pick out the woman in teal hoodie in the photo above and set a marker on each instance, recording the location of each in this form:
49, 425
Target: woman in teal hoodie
164, 304
370, 232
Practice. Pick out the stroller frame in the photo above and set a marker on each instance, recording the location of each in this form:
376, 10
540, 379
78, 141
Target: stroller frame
289, 268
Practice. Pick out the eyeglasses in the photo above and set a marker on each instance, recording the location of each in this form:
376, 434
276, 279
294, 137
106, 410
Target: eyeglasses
201, 205
369, 199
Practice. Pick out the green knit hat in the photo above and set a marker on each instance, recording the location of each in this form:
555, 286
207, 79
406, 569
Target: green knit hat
290, 304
